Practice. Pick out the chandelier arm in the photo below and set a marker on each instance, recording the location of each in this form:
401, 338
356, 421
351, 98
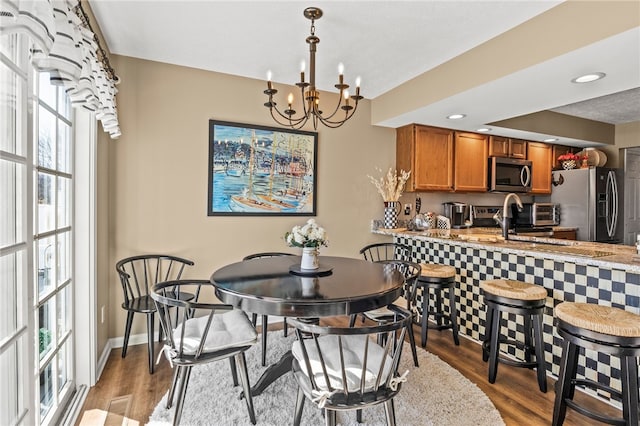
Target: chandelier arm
348, 114
297, 124
333, 124
287, 117
340, 103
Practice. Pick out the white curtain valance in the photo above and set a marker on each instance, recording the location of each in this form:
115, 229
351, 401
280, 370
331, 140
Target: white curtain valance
62, 46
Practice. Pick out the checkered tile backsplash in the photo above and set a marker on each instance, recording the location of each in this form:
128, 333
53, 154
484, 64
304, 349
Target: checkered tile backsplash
565, 281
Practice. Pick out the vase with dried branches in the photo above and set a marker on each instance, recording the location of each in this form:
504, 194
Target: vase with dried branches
390, 186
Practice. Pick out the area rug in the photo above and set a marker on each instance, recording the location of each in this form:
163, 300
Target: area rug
434, 394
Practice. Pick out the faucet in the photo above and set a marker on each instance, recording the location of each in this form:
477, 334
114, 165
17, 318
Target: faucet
504, 220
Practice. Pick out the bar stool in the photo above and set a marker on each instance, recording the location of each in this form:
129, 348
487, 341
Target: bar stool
603, 329
438, 278
518, 298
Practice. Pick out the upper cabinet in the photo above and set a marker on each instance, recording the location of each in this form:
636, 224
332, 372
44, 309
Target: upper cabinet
470, 160
541, 156
447, 160
559, 150
428, 153
500, 146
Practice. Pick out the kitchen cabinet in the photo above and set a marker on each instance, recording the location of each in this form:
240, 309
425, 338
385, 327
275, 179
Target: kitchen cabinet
559, 150
500, 146
541, 157
470, 160
565, 234
428, 153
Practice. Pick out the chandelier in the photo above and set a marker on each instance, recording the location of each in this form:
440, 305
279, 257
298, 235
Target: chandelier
309, 93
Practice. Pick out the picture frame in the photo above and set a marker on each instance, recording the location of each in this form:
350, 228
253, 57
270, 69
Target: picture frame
261, 171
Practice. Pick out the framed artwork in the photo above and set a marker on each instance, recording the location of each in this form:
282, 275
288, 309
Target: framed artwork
261, 171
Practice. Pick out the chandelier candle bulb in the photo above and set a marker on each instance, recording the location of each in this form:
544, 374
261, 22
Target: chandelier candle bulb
302, 67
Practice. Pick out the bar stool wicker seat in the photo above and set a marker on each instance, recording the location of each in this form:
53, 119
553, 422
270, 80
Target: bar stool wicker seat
438, 278
520, 298
603, 329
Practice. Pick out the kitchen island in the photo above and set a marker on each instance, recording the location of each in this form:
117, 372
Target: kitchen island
570, 271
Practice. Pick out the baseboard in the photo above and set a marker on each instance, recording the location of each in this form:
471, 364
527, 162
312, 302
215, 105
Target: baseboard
102, 361
135, 339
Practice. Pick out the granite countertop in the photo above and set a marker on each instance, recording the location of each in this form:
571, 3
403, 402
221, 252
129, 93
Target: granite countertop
589, 253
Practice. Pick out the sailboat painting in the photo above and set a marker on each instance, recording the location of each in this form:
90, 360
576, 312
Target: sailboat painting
261, 171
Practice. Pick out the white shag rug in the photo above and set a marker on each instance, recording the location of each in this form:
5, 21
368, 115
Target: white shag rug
434, 394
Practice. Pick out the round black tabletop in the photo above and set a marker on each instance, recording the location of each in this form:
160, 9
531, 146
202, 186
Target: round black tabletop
267, 286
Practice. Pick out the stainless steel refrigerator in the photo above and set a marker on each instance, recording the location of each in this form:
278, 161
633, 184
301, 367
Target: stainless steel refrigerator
590, 200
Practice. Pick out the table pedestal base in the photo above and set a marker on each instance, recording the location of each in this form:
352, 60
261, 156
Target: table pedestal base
280, 368
271, 374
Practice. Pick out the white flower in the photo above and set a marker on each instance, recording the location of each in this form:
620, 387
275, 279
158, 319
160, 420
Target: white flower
308, 235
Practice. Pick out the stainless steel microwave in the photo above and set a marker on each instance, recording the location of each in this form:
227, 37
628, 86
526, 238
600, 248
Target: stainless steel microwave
509, 175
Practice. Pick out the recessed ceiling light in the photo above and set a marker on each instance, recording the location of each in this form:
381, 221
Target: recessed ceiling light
550, 140
483, 129
456, 116
588, 78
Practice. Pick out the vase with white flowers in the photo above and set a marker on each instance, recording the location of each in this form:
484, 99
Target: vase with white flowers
390, 187
310, 237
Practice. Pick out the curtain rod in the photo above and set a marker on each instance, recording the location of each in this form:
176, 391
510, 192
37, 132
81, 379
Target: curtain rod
101, 53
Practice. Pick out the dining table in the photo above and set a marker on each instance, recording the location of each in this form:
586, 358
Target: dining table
278, 286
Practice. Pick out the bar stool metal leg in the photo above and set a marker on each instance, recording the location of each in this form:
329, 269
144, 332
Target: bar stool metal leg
487, 334
539, 349
425, 318
438, 316
564, 389
630, 391
494, 345
453, 315
528, 346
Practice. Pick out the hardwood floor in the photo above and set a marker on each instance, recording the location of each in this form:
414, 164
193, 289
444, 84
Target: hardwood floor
515, 393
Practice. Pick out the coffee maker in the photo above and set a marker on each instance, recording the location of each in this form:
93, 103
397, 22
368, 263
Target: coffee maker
460, 214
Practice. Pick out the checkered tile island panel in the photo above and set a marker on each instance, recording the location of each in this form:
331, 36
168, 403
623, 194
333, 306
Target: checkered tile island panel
565, 281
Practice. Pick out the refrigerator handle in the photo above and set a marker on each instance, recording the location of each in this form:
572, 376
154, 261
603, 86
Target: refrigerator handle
525, 176
613, 188
607, 211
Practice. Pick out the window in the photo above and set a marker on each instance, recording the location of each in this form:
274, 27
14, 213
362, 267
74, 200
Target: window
52, 242
36, 241
15, 235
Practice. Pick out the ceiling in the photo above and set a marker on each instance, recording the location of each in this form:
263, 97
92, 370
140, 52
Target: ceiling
387, 43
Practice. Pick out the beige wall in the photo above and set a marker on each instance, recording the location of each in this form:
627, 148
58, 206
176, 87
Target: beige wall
152, 182
628, 135
157, 175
